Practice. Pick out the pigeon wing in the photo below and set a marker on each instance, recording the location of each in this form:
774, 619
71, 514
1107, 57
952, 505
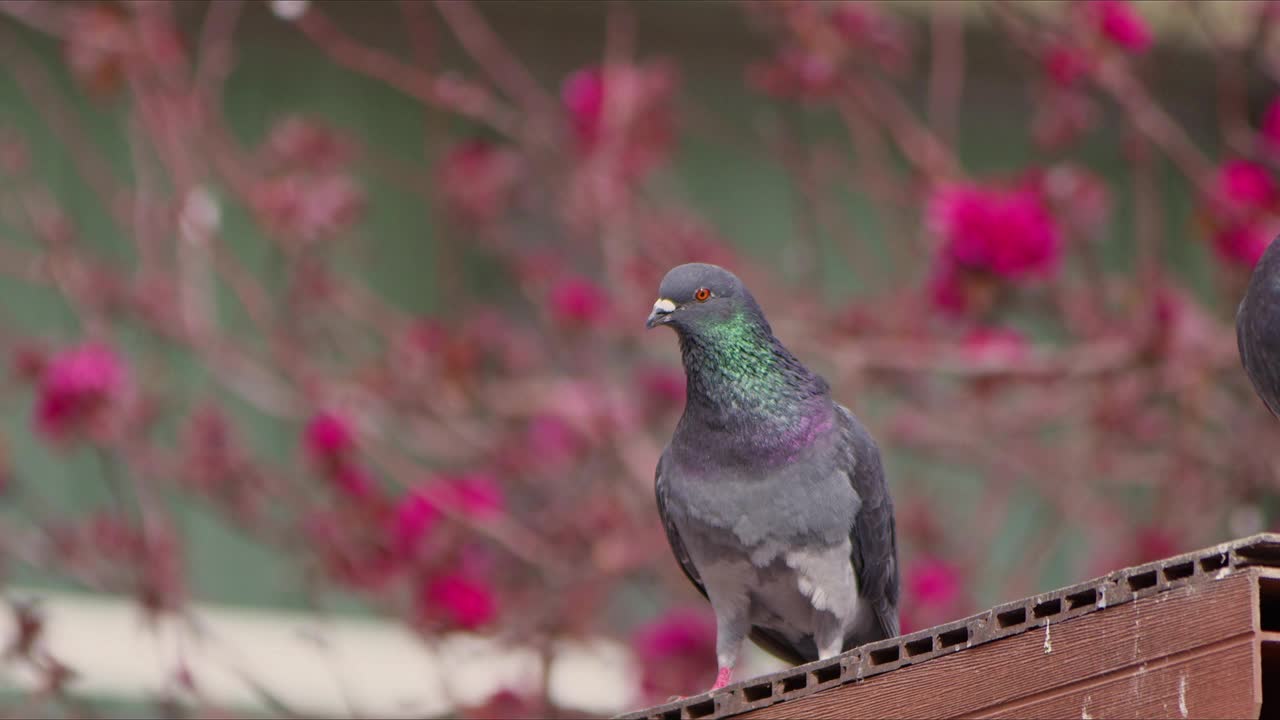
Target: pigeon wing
1264, 376
873, 536
673, 535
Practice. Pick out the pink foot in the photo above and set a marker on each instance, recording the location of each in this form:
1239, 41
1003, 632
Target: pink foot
722, 678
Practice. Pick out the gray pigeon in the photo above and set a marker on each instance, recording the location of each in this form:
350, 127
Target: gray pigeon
772, 494
1258, 328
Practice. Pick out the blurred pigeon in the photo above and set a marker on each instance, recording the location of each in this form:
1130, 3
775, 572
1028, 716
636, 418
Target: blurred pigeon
772, 494
1258, 328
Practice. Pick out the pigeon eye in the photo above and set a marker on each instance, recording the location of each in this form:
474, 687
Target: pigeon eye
702, 295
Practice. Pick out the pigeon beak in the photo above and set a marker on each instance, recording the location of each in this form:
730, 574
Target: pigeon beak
661, 309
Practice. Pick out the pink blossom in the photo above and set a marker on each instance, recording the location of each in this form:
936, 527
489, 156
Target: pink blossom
1246, 183
111, 535
946, 290
328, 437
478, 496
1242, 187
487, 327
349, 552
679, 632
477, 179
1241, 244
994, 344
127, 556
1242, 203
539, 267
419, 345
427, 335
297, 143
907, 622
160, 581
1008, 233
309, 208
578, 301
353, 481
1153, 543
458, 353
1079, 196
583, 96
795, 74
507, 704
665, 387
853, 20
159, 39
1168, 309
677, 237
415, 516
919, 519
676, 651
210, 452
78, 383
551, 440
1062, 116
1271, 124
1065, 64
29, 362
1120, 23
933, 581
639, 111
98, 45
214, 463
864, 28
464, 601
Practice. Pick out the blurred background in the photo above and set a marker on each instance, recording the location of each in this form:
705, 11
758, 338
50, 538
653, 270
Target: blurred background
326, 389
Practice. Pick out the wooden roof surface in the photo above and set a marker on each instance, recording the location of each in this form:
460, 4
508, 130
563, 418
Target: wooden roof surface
1177, 634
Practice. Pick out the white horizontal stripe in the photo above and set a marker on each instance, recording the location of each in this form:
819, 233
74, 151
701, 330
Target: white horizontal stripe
316, 665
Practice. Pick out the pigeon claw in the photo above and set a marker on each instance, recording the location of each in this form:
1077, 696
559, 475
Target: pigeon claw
722, 678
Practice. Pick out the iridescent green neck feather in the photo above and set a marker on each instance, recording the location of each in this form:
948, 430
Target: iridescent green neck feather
738, 372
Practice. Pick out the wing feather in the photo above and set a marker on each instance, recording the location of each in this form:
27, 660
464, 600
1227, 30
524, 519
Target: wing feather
673, 535
874, 533
1251, 334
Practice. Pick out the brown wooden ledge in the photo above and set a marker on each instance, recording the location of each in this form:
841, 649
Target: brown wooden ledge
1192, 636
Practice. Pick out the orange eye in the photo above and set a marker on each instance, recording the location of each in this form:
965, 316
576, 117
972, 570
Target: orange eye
702, 295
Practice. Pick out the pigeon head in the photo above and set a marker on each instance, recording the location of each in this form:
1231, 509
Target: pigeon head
738, 373
698, 298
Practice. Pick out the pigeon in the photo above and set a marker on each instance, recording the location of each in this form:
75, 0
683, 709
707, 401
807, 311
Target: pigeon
772, 494
1258, 328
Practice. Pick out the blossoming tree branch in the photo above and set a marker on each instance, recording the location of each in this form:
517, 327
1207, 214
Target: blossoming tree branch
488, 467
